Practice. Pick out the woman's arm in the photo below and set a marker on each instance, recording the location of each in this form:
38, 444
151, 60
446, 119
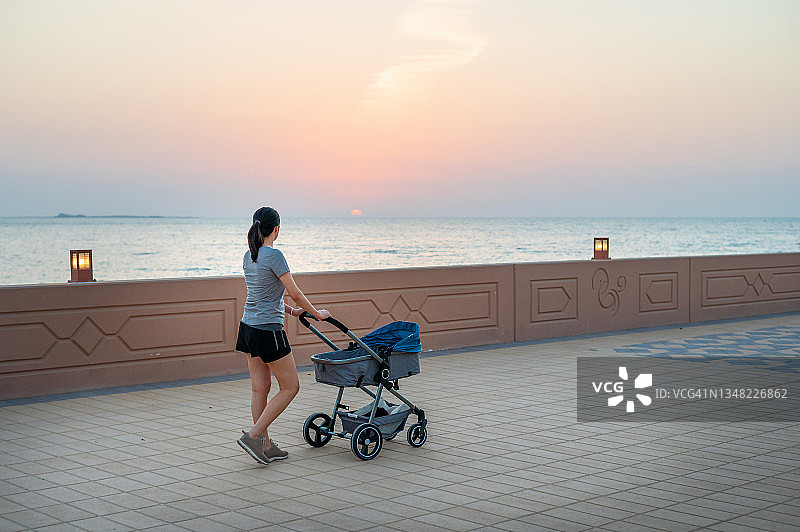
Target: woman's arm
298, 297
291, 310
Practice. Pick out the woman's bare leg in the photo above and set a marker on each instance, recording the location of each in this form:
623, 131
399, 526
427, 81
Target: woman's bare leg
260, 383
285, 372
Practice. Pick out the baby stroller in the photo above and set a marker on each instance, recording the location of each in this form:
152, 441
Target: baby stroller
379, 359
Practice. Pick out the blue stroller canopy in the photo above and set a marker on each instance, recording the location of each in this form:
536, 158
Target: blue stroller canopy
399, 335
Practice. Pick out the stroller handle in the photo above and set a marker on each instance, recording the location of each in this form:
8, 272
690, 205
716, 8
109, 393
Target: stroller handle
339, 325
336, 323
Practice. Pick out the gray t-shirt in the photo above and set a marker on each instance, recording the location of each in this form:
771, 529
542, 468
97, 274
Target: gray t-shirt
264, 304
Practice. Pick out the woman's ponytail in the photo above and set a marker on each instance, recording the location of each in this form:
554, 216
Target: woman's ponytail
255, 240
265, 220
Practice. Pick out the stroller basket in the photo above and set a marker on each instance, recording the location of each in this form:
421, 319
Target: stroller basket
388, 424
355, 367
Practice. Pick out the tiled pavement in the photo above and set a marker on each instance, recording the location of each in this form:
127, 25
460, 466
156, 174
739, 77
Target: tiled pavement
504, 453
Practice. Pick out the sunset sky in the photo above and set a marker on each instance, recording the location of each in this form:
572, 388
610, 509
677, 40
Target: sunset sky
400, 108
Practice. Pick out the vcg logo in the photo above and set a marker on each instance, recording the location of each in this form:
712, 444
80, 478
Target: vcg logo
644, 380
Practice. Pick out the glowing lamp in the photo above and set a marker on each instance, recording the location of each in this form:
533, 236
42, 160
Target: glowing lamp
81, 265
600, 248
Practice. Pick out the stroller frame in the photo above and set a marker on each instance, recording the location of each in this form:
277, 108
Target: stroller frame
366, 440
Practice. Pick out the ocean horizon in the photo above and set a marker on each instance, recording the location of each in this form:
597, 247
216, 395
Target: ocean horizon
127, 247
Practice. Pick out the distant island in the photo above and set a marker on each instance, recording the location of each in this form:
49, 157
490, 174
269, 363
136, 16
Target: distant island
65, 215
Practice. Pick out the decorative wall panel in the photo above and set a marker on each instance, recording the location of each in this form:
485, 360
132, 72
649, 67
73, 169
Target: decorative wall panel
748, 285
568, 298
658, 292
553, 300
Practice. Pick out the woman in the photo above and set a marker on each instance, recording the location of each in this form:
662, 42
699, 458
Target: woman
261, 333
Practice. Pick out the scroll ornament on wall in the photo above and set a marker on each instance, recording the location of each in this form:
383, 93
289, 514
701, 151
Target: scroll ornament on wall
608, 297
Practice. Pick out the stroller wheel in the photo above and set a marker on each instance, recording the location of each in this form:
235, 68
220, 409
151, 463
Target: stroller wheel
366, 441
313, 431
417, 435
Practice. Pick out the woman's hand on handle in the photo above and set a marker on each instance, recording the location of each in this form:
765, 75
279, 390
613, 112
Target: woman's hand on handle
322, 314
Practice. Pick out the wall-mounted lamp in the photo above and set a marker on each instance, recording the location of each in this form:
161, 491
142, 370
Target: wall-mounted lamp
600, 248
81, 265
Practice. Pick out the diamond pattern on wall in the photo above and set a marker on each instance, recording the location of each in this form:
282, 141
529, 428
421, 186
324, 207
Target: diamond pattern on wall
758, 285
87, 336
400, 310
734, 287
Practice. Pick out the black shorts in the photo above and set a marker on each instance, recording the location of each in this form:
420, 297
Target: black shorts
269, 346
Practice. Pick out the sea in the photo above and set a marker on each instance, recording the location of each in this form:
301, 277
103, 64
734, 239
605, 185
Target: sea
36, 250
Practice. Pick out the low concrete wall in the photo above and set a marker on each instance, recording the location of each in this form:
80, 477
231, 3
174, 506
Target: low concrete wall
57, 338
